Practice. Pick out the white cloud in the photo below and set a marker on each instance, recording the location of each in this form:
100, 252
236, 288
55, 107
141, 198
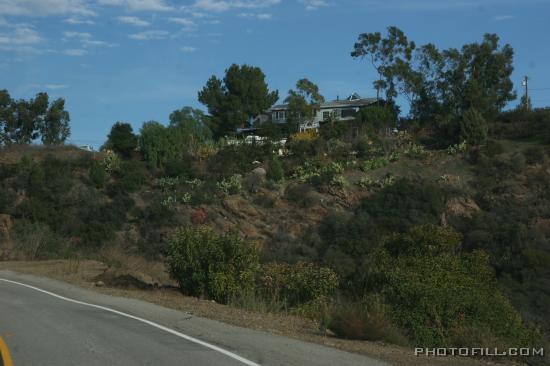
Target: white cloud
45, 7
79, 35
94, 43
54, 86
188, 49
314, 4
500, 18
225, 5
86, 40
147, 35
139, 5
198, 14
76, 52
259, 16
433, 5
75, 20
133, 21
21, 35
25, 49
183, 21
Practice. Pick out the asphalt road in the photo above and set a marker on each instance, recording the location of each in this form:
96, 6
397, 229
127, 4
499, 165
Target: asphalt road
53, 323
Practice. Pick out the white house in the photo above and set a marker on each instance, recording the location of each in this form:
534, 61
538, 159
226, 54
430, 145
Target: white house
345, 109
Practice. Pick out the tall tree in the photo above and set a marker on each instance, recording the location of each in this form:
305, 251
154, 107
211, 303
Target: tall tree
242, 94
23, 121
386, 55
302, 103
121, 139
189, 127
7, 116
55, 125
441, 83
192, 123
441, 86
157, 144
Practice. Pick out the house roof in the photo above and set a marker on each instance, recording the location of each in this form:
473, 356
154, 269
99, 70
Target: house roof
353, 100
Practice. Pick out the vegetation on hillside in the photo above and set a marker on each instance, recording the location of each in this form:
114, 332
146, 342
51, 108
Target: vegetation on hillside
438, 235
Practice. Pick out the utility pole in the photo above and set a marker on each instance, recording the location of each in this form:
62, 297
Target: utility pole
525, 83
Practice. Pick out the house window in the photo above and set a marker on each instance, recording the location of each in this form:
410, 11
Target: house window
281, 115
326, 115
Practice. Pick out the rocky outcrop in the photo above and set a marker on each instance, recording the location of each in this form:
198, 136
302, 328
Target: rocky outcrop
461, 207
254, 180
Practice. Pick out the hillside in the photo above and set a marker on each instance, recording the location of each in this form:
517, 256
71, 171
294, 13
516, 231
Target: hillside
397, 206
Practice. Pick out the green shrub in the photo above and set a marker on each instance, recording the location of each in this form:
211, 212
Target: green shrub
304, 172
394, 156
374, 163
231, 185
319, 176
96, 234
275, 171
303, 195
405, 203
155, 216
376, 118
111, 161
8, 170
36, 241
7, 199
206, 264
534, 155
339, 181
183, 167
367, 320
368, 183
364, 148
433, 290
416, 151
457, 148
518, 162
423, 240
338, 149
297, 284
303, 149
356, 237
205, 193
237, 159
97, 174
473, 127
493, 148
133, 175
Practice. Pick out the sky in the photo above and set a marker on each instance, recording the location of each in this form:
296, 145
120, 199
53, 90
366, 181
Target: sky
138, 60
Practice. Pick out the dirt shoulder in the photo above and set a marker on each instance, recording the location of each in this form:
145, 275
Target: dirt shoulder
85, 274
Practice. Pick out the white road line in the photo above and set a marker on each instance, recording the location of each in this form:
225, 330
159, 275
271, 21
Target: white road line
153, 324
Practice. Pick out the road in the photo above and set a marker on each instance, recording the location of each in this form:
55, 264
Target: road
46, 322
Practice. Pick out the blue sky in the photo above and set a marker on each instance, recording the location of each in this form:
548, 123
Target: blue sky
138, 60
